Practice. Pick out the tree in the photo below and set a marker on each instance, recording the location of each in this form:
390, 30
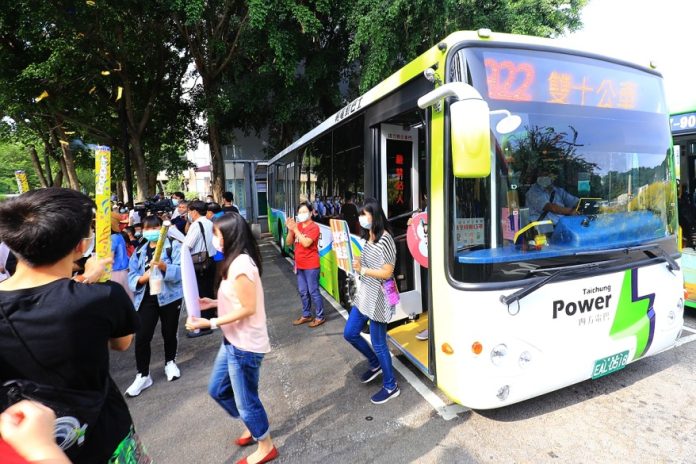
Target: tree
390, 34
83, 59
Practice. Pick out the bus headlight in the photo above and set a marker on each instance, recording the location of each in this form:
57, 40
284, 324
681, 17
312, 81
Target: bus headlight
525, 359
498, 354
503, 392
680, 305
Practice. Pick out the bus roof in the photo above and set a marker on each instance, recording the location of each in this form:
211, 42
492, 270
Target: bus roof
682, 108
418, 65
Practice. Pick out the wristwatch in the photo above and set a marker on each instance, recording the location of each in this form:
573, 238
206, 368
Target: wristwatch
362, 272
213, 323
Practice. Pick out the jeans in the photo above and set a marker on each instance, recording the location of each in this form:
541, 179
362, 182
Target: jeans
378, 335
234, 384
308, 286
149, 312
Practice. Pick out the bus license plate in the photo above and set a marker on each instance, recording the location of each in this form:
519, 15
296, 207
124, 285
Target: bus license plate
609, 364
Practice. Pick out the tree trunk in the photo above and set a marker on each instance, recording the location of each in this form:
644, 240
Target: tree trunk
69, 170
140, 168
48, 149
217, 162
37, 165
59, 177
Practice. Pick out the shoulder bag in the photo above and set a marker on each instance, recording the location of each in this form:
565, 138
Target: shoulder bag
75, 410
201, 260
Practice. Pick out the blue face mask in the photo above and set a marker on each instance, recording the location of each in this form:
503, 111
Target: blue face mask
175, 202
151, 235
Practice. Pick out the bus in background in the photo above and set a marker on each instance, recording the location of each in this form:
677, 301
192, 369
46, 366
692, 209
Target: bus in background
683, 124
551, 236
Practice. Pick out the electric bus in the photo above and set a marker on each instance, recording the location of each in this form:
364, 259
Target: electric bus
548, 182
683, 125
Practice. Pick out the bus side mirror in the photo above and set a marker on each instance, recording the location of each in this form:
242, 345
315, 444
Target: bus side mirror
469, 128
470, 136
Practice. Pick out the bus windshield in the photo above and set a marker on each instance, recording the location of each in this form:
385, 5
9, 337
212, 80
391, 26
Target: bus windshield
588, 169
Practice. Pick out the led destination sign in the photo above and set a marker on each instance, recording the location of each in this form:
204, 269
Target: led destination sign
683, 123
565, 80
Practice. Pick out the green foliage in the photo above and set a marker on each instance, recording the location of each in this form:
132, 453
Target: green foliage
390, 34
13, 158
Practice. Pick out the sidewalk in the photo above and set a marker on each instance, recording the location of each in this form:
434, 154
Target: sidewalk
318, 409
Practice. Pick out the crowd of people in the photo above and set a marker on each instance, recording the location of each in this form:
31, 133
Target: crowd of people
58, 323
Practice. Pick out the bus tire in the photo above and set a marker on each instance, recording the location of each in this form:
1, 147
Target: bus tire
281, 240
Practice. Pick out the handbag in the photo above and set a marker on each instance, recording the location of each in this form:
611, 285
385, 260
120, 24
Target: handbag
201, 260
75, 410
391, 292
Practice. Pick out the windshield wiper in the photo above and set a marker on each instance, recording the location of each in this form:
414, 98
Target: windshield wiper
672, 264
555, 272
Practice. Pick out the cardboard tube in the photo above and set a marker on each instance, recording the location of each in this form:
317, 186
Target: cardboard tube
102, 172
160, 243
22, 181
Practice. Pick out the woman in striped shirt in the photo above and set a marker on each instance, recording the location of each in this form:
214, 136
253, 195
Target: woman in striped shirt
375, 266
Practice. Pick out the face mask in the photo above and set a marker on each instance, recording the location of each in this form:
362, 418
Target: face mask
216, 244
151, 235
365, 223
544, 181
90, 247
189, 218
138, 233
175, 202
302, 217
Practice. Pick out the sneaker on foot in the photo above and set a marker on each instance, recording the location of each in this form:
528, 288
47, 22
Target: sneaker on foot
422, 335
370, 375
171, 371
139, 384
385, 395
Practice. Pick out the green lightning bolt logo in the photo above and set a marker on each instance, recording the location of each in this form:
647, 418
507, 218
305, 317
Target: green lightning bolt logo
635, 315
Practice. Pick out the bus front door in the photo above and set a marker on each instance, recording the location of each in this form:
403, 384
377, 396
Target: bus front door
399, 192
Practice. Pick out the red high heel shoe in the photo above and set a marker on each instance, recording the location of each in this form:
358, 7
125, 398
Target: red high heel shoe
268, 458
244, 441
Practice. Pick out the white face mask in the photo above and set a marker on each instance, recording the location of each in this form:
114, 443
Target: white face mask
302, 217
90, 247
216, 243
365, 223
544, 181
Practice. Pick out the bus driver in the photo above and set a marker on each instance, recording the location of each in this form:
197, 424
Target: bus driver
547, 201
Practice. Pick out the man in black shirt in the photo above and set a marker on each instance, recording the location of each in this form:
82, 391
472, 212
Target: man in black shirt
349, 213
228, 203
56, 331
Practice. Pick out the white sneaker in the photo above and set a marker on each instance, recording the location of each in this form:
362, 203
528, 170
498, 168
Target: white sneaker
139, 384
171, 371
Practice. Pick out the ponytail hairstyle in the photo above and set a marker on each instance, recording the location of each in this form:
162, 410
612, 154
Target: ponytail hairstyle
237, 239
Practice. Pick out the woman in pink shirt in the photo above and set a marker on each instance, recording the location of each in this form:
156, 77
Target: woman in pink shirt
234, 382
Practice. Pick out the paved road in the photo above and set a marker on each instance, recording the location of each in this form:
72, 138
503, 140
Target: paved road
320, 413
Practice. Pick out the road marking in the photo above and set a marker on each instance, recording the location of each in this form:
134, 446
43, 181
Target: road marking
685, 340
689, 329
446, 411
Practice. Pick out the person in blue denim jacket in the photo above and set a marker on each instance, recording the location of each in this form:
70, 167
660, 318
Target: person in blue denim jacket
164, 305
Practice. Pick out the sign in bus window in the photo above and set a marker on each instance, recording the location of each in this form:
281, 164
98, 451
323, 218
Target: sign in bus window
399, 161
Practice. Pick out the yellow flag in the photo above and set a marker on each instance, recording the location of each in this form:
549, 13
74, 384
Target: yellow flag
119, 92
43, 95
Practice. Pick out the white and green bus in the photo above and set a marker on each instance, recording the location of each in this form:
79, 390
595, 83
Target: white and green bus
517, 302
